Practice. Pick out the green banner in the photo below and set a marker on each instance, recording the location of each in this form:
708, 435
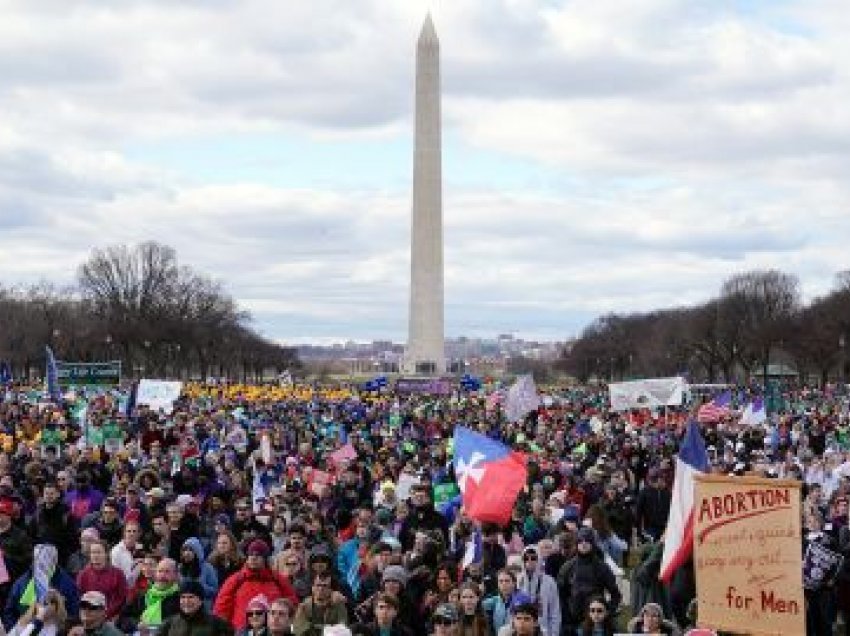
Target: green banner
443, 493
88, 373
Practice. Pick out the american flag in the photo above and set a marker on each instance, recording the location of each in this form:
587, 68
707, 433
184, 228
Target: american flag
715, 410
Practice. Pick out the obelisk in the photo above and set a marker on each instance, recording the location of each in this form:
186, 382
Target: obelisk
425, 344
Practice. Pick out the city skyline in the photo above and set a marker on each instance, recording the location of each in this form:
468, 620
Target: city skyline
597, 157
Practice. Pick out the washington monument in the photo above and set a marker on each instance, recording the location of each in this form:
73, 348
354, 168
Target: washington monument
425, 352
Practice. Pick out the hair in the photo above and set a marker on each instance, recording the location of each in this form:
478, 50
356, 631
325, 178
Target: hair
61, 616
507, 572
599, 521
233, 555
388, 599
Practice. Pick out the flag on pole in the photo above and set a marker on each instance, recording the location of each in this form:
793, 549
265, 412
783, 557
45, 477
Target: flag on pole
716, 409
472, 553
258, 491
522, 398
52, 375
489, 474
755, 413
45, 557
679, 535
5, 373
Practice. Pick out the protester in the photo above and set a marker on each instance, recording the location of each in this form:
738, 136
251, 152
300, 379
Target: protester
319, 609
651, 621
22, 596
93, 615
254, 579
43, 619
193, 619
102, 577
598, 620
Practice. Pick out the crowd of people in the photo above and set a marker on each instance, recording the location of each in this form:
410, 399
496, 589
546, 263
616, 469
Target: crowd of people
269, 511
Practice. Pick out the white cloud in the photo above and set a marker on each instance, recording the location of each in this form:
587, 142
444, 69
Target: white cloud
682, 144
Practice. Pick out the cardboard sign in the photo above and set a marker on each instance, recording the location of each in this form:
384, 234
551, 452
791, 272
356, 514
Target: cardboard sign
748, 555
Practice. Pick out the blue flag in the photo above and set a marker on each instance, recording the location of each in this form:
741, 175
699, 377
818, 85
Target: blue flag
5, 373
53, 389
131, 401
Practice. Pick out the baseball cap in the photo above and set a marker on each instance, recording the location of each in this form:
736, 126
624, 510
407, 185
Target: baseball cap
93, 600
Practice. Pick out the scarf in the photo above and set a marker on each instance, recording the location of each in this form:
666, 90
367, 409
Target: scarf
153, 603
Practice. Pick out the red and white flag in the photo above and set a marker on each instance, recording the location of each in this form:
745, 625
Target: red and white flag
679, 535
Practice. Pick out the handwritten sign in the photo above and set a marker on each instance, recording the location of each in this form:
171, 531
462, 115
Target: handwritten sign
748, 555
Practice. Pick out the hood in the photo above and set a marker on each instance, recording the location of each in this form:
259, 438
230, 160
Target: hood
196, 547
535, 550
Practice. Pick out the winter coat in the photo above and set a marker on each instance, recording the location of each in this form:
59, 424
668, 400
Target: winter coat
208, 578
232, 601
110, 581
645, 586
56, 526
198, 624
544, 591
582, 577
310, 620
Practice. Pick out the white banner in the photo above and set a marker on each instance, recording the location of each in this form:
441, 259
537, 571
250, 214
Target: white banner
522, 398
158, 394
647, 394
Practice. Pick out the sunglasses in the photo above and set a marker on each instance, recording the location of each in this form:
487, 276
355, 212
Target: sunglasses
291, 564
256, 613
89, 606
530, 557
444, 622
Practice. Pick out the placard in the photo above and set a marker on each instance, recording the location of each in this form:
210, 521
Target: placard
748, 555
158, 394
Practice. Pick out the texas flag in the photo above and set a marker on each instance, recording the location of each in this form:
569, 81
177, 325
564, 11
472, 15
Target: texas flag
489, 474
679, 535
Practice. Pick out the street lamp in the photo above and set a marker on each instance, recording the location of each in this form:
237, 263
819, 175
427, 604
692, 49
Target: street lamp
842, 372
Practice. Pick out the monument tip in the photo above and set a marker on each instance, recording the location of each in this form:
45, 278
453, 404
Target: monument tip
428, 32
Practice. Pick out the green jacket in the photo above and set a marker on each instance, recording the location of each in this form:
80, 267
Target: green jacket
309, 619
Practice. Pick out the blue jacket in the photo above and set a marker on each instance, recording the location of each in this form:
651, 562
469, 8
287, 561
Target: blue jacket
61, 582
208, 577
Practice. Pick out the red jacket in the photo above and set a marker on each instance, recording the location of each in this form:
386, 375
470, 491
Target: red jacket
109, 580
231, 604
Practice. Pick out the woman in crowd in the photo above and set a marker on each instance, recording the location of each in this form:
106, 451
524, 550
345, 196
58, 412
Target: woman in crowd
597, 622
473, 621
225, 557
43, 619
651, 621
256, 617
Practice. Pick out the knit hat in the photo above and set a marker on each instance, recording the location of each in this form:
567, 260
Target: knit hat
7, 507
258, 547
133, 515
90, 533
394, 573
259, 602
223, 519
192, 587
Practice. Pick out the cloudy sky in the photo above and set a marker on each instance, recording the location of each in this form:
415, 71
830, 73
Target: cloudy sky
599, 155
